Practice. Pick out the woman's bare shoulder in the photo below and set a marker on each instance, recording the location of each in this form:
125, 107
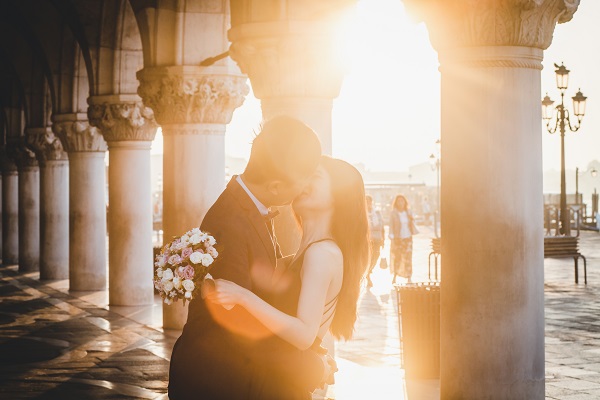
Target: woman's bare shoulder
325, 252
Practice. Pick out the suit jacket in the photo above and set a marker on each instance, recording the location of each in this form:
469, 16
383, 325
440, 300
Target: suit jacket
228, 354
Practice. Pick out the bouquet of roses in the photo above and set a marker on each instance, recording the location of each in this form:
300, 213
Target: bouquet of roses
183, 264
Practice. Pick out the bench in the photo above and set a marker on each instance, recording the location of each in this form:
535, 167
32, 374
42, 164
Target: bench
565, 247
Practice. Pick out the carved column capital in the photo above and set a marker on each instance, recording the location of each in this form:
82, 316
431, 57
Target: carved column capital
468, 23
191, 95
76, 133
122, 118
288, 59
45, 144
25, 157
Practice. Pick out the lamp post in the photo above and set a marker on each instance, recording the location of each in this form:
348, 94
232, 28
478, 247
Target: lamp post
435, 164
562, 122
594, 173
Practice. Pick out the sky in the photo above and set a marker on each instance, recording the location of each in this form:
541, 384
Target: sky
387, 115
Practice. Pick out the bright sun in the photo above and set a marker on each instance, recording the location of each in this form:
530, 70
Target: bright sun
387, 114
389, 104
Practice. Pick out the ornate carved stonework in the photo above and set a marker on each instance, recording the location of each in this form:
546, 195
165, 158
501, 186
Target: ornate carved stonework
463, 23
24, 156
123, 121
178, 95
194, 129
45, 144
306, 64
79, 135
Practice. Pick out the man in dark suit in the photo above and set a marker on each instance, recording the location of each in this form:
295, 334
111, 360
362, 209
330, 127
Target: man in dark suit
228, 354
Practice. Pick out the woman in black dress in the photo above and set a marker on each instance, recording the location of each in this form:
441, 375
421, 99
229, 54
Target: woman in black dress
319, 287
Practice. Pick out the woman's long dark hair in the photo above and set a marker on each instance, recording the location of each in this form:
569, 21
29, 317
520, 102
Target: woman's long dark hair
350, 230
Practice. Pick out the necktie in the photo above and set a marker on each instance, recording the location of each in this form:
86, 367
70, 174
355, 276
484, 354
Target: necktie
271, 214
269, 221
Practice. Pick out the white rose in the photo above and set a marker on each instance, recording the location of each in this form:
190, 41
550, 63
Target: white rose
188, 295
195, 230
185, 239
167, 286
213, 252
207, 259
168, 301
159, 272
211, 240
203, 237
160, 262
188, 285
196, 257
195, 238
177, 282
167, 274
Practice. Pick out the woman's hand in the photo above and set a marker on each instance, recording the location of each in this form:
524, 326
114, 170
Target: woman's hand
227, 294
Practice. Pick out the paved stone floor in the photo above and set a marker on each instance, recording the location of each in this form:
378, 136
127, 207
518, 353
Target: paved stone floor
56, 344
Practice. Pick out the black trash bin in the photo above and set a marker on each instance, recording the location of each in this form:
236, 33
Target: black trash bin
419, 324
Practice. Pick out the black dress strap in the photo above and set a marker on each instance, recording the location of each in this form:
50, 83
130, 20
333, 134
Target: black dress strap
330, 310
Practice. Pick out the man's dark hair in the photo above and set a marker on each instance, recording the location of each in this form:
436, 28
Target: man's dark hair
284, 149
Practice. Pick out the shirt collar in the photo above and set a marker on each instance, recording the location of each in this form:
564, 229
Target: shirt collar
262, 209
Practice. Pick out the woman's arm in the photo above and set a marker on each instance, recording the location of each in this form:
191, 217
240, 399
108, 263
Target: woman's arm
321, 262
393, 224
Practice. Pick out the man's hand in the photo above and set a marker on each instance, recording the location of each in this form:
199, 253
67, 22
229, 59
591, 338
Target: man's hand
333, 369
330, 368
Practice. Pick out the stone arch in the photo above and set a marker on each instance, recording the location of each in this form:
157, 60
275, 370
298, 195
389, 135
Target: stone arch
116, 50
12, 104
81, 82
80, 17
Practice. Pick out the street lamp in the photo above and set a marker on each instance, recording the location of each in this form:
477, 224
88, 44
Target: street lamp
562, 121
435, 164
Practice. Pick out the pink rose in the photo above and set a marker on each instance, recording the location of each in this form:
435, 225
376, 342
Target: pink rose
186, 252
175, 259
188, 272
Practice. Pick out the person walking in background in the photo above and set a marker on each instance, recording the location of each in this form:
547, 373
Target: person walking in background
376, 235
402, 228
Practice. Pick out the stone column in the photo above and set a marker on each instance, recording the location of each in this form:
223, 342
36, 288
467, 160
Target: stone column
129, 128
492, 294
54, 204
29, 210
193, 105
10, 211
292, 67
0, 214
87, 201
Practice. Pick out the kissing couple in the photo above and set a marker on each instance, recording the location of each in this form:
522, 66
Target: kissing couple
256, 331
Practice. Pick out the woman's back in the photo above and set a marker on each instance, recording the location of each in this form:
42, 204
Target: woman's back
290, 283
